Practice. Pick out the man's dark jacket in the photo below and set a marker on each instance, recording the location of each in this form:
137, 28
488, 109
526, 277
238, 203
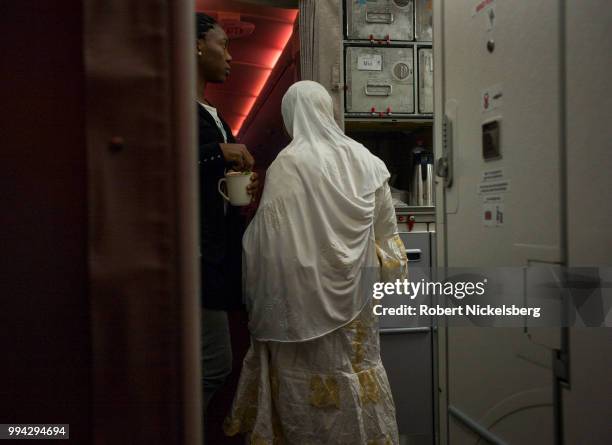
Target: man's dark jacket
220, 231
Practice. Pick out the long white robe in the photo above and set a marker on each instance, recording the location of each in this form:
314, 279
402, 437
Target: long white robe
324, 232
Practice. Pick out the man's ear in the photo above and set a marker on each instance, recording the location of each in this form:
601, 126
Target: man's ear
200, 46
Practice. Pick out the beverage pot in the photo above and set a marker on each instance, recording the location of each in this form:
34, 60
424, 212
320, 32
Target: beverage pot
421, 193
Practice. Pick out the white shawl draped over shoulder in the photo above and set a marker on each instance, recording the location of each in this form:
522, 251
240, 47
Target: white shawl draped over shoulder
309, 253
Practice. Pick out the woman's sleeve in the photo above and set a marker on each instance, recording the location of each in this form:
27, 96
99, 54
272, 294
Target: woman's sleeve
389, 246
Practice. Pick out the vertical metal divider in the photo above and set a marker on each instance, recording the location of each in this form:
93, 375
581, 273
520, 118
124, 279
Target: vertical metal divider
434, 345
563, 354
416, 83
440, 338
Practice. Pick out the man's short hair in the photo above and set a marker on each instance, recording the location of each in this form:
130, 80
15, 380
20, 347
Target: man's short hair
204, 23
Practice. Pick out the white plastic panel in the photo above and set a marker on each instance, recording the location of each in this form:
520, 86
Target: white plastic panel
494, 383
522, 71
500, 62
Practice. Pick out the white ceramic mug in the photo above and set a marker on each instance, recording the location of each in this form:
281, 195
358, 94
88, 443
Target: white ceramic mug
236, 183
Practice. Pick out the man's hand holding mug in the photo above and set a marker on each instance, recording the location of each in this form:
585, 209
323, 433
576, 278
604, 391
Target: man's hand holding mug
242, 161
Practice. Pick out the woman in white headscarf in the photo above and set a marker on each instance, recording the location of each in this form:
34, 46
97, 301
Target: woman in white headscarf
324, 232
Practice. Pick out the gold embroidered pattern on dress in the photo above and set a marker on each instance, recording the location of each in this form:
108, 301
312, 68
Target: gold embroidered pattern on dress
384, 441
392, 257
243, 417
358, 344
402, 250
392, 263
256, 439
369, 392
276, 425
386, 261
242, 421
400, 244
324, 393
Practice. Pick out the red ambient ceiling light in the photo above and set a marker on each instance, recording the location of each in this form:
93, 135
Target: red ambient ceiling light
269, 64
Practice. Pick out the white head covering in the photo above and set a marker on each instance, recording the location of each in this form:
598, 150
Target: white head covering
308, 248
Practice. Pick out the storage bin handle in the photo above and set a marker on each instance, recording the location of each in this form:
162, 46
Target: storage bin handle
414, 255
379, 17
378, 89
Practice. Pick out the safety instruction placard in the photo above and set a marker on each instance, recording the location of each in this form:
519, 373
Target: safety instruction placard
491, 98
493, 211
493, 181
493, 175
369, 62
502, 186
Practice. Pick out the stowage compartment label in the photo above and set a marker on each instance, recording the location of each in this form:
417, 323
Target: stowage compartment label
369, 62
